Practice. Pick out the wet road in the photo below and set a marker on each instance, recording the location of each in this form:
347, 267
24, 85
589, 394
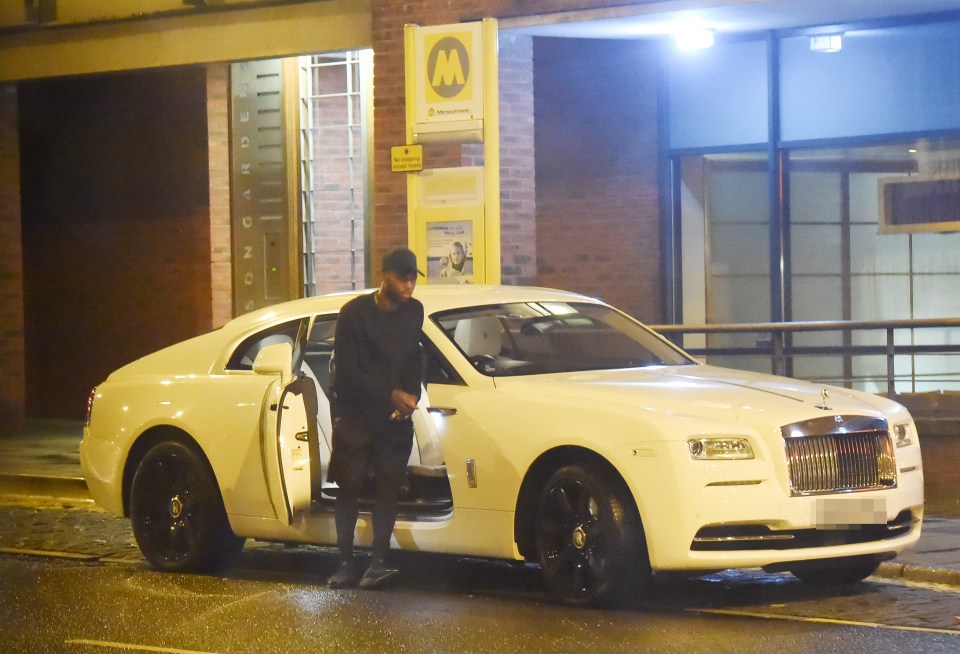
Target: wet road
72, 582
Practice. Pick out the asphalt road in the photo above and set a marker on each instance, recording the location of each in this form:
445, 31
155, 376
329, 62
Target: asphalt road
73, 582
50, 605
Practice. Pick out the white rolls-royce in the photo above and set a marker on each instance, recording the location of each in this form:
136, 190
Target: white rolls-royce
552, 428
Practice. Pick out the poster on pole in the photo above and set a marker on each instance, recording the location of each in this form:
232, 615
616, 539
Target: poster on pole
450, 252
448, 224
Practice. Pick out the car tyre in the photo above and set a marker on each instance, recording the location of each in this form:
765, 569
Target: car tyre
839, 571
177, 513
589, 540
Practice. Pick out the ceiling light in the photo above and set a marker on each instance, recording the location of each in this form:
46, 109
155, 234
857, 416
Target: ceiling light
826, 43
693, 39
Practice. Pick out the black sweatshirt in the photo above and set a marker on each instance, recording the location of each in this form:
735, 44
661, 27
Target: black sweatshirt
376, 351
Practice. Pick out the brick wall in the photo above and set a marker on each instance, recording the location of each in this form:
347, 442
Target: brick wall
597, 195
12, 393
218, 154
116, 226
518, 229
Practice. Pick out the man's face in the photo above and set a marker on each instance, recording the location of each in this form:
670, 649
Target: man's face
399, 288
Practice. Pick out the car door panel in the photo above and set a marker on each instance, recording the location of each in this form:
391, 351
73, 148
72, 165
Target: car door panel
481, 476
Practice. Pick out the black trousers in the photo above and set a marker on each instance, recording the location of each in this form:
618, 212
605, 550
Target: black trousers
359, 444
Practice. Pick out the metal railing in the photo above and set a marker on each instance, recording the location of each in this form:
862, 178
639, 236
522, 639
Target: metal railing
776, 340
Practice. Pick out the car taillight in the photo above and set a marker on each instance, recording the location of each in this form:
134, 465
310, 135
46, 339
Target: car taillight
86, 418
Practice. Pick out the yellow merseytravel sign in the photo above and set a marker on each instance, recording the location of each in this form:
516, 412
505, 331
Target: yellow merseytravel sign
448, 71
452, 96
406, 158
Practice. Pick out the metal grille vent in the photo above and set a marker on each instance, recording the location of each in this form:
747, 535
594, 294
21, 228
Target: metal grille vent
840, 462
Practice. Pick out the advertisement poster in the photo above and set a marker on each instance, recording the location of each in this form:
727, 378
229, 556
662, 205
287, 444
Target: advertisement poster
450, 252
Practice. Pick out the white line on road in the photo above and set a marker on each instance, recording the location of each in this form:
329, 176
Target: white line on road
849, 623
133, 646
89, 558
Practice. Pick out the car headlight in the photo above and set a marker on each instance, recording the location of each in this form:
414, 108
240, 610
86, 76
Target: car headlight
903, 434
720, 447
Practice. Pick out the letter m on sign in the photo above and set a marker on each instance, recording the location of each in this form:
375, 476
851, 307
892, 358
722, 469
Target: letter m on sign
448, 70
448, 67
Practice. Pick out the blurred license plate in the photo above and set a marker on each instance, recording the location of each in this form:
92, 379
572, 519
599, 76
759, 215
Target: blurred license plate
847, 512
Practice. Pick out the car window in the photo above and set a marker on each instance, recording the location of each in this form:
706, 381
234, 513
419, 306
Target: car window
436, 369
319, 351
543, 337
246, 353
319, 355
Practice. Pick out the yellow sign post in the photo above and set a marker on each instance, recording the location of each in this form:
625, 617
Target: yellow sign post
453, 214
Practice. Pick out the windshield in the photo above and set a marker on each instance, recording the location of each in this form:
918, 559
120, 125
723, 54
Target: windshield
532, 338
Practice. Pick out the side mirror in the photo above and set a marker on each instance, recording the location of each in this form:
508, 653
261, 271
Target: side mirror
276, 359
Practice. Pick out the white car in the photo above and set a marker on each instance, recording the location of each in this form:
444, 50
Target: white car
553, 428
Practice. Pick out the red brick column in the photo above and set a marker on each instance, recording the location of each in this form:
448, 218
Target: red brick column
12, 367
218, 153
518, 194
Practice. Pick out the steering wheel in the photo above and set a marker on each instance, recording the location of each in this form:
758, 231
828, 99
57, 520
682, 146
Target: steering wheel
485, 363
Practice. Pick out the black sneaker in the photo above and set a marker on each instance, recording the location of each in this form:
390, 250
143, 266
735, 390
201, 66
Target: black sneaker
344, 577
377, 576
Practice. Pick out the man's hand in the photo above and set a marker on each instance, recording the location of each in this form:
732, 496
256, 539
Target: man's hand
404, 404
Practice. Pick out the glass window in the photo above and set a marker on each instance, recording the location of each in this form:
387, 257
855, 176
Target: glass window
844, 267
725, 247
334, 88
883, 81
436, 369
319, 351
547, 337
246, 353
318, 357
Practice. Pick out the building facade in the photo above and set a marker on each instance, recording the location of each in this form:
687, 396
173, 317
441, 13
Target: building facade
732, 184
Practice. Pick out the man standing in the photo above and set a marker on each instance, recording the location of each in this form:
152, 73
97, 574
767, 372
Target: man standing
376, 389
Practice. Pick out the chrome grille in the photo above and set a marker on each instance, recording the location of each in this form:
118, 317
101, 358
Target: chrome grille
840, 462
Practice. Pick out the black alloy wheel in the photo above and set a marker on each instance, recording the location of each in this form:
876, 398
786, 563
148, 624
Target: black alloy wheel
589, 540
177, 513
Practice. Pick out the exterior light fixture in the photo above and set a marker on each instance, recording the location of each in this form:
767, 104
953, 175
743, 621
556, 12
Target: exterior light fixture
693, 39
826, 43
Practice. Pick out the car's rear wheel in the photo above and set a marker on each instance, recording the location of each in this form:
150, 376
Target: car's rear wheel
177, 513
588, 537
836, 571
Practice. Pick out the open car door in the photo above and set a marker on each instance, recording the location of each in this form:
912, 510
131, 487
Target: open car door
289, 414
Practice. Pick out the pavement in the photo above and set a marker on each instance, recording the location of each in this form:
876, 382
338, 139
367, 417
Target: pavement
46, 508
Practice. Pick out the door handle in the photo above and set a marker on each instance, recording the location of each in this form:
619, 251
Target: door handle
442, 410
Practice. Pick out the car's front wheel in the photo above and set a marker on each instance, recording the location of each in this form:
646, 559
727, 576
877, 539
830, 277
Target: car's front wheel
177, 513
589, 540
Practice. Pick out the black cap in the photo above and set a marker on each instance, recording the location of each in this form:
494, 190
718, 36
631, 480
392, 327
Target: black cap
401, 261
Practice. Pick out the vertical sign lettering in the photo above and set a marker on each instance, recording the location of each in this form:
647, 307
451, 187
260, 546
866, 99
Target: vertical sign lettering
258, 183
